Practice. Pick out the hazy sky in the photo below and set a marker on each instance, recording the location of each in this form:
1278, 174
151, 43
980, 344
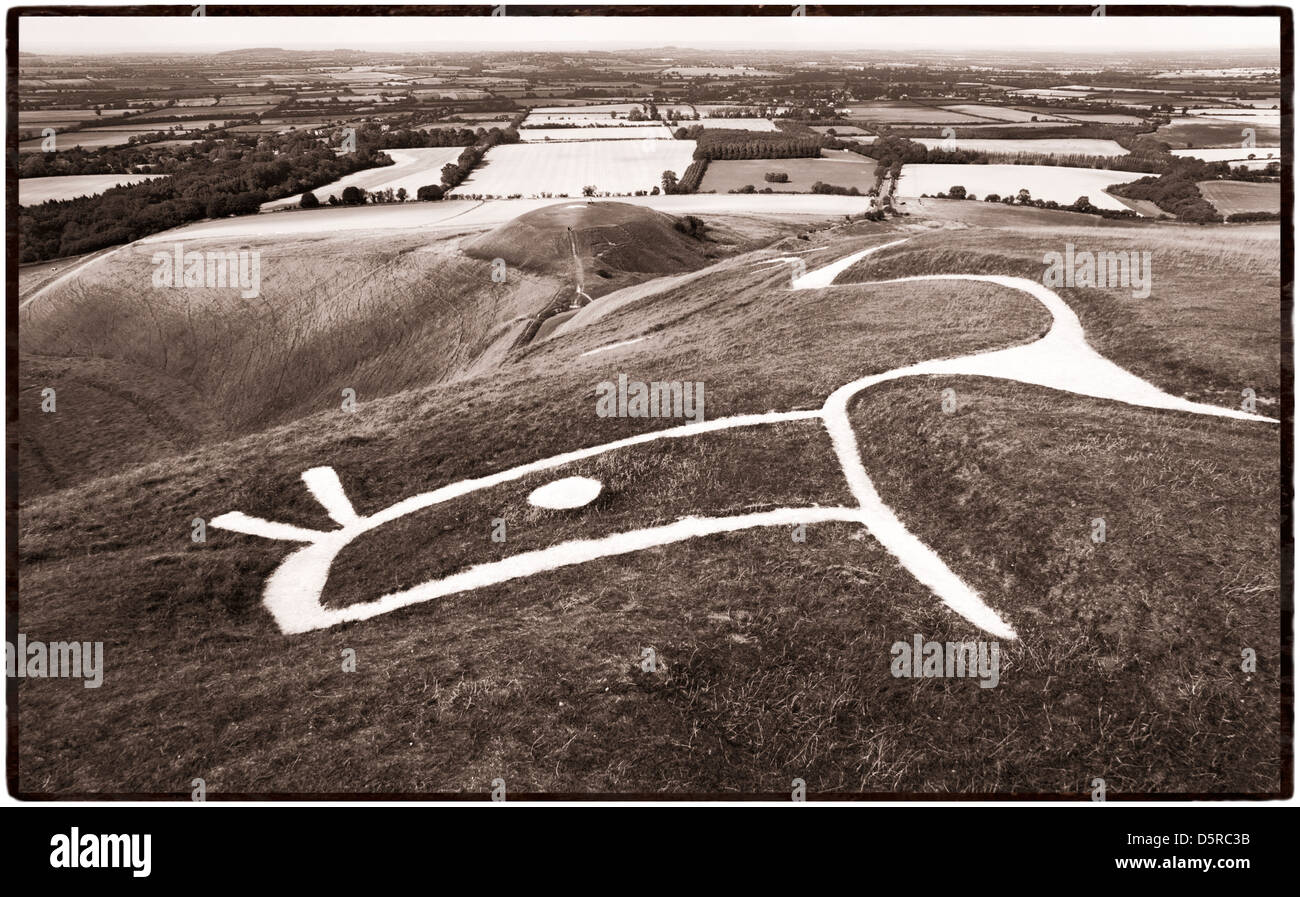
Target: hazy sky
99, 34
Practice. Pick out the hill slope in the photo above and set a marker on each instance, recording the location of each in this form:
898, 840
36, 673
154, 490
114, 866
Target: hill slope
773, 654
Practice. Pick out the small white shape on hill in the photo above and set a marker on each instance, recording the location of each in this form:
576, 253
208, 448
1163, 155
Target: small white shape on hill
570, 492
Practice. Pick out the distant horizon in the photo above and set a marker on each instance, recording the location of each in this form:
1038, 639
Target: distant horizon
1157, 36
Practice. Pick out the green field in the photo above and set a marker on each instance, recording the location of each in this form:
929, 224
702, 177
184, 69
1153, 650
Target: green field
841, 168
1231, 197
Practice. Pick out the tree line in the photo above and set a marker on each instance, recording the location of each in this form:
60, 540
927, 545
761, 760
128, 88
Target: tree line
726, 143
201, 188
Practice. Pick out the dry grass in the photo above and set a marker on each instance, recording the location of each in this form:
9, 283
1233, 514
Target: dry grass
375, 316
1231, 197
773, 654
1165, 338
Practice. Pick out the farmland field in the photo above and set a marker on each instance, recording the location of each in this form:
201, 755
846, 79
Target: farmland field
1071, 115
904, 113
411, 168
1052, 146
1059, 183
581, 108
1230, 197
1233, 154
200, 124
32, 191
735, 124
1202, 131
1110, 118
600, 132
1269, 118
86, 139
850, 170
614, 167
44, 117
586, 121
841, 130
1002, 113
1051, 92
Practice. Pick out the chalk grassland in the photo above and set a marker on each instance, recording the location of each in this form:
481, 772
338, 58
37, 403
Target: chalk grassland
1162, 338
724, 176
411, 168
615, 167
1230, 197
772, 656
1059, 183
598, 132
34, 191
377, 315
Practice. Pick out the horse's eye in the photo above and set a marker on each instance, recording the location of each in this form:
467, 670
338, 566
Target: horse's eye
570, 492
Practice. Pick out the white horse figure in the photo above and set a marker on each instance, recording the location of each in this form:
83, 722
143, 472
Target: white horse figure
1061, 360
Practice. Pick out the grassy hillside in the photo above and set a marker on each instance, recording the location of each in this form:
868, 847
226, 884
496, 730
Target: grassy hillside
608, 237
773, 653
375, 313
1204, 344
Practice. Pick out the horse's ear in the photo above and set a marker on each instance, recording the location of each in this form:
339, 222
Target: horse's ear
324, 485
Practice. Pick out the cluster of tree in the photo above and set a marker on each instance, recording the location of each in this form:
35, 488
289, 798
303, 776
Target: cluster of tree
1147, 163
691, 226
117, 159
718, 143
651, 113
693, 175
1175, 190
1023, 198
892, 151
372, 135
202, 188
776, 177
835, 189
569, 125
387, 195
455, 172
1238, 217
